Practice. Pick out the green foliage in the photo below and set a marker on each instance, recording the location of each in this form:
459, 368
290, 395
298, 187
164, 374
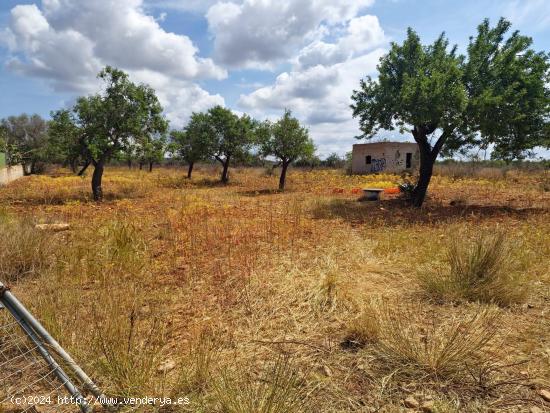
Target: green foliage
122, 113
333, 161
509, 97
418, 86
286, 139
66, 142
104, 125
196, 142
231, 136
151, 149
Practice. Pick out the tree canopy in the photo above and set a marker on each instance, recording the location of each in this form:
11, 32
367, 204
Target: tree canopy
25, 140
496, 95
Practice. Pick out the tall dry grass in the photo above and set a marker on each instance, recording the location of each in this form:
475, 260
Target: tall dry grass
407, 339
24, 251
483, 269
279, 389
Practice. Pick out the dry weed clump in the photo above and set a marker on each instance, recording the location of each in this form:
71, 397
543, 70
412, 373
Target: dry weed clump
408, 340
24, 250
129, 345
453, 360
196, 369
481, 270
278, 390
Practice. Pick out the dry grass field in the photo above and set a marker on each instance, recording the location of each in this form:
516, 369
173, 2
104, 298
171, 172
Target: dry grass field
248, 300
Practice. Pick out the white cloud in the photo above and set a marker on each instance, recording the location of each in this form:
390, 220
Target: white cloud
363, 33
262, 33
320, 96
318, 88
179, 97
67, 42
66, 58
180, 5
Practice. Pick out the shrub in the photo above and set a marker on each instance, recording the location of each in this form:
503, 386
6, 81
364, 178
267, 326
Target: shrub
404, 338
406, 188
481, 270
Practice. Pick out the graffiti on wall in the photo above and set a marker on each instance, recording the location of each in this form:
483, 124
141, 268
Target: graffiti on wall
378, 165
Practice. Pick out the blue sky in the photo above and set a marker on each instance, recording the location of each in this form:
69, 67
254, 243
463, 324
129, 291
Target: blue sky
255, 56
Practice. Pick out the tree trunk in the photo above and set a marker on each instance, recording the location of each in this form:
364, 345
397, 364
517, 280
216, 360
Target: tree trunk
140, 166
190, 170
129, 164
428, 155
225, 172
97, 191
426, 170
282, 178
81, 172
73, 164
33, 167
150, 166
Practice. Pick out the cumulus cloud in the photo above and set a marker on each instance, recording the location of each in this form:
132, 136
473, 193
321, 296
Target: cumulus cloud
320, 96
67, 42
179, 98
65, 58
262, 33
315, 90
329, 45
362, 33
180, 5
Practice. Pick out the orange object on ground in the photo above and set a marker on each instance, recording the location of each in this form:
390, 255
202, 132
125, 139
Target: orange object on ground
338, 191
391, 191
356, 191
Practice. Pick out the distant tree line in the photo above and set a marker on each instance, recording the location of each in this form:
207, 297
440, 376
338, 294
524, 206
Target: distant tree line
125, 123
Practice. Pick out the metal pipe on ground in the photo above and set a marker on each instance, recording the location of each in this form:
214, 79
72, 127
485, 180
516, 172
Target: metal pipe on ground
11, 302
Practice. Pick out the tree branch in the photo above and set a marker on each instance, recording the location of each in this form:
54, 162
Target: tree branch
440, 142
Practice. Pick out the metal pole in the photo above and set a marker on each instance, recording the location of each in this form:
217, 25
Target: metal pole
10, 300
65, 380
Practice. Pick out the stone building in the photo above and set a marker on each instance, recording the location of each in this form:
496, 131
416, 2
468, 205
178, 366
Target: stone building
390, 157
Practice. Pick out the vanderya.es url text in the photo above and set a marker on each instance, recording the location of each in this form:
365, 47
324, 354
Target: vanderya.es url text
112, 401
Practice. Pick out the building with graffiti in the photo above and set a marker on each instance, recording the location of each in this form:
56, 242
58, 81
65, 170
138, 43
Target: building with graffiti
391, 157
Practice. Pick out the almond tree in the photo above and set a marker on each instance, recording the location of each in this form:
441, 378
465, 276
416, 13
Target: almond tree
496, 95
195, 143
287, 141
232, 137
111, 120
26, 137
